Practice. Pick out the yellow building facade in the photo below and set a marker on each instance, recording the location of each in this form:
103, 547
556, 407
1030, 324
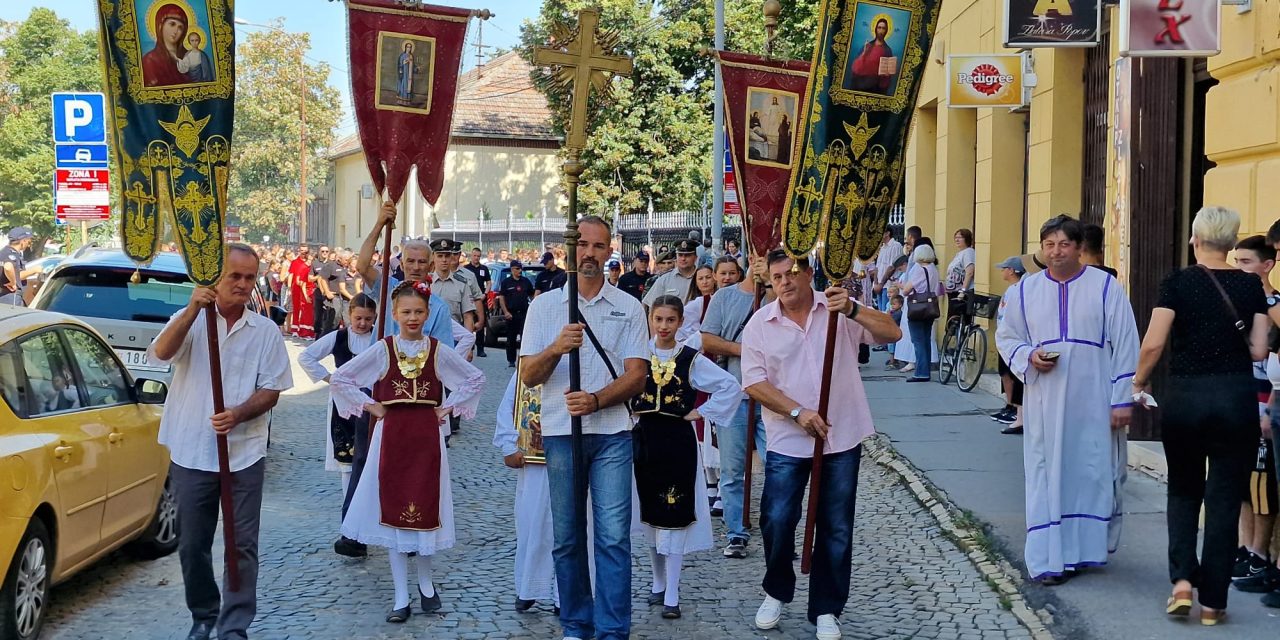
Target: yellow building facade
1003, 173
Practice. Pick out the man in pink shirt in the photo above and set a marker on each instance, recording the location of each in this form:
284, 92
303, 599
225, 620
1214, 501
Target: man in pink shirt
782, 358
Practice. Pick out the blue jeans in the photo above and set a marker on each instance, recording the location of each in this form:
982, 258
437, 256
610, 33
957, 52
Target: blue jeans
882, 299
608, 467
781, 506
921, 332
733, 463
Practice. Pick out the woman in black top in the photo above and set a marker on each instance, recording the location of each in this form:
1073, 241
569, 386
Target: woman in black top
1214, 318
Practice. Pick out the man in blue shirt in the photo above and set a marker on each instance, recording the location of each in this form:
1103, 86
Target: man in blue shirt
415, 259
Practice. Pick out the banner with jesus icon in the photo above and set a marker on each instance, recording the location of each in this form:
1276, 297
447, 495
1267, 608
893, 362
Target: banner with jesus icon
169, 67
405, 60
762, 102
863, 83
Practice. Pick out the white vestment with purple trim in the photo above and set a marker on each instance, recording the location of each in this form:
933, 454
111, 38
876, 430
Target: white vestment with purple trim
1074, 462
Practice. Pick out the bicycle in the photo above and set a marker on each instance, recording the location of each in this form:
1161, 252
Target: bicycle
964, 343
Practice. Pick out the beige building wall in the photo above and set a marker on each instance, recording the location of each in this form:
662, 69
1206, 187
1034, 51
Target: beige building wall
476, 176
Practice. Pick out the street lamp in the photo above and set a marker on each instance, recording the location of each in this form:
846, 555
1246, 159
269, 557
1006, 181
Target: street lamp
302, 141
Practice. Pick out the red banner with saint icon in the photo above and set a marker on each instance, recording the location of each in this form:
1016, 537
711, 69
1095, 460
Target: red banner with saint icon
762, 101
405, 61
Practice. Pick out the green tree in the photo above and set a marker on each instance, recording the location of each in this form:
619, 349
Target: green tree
38, 56
653, 136
266, 164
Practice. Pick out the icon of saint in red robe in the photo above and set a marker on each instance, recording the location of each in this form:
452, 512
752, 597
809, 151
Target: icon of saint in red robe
160, 65
875, 67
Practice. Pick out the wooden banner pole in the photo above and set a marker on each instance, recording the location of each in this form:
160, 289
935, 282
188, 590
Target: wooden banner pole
752, 411
815, 474
232, 555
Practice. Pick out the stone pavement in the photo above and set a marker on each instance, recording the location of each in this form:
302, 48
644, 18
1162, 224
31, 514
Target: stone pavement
948, 436
909, 579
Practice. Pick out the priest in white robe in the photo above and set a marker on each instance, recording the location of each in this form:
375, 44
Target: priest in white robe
1069, 334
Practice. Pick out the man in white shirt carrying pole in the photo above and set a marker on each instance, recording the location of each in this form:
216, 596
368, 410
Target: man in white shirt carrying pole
255, 370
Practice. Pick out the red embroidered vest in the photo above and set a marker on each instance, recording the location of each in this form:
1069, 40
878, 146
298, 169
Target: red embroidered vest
395, 388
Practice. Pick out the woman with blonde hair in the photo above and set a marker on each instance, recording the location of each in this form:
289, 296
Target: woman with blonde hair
1214, 318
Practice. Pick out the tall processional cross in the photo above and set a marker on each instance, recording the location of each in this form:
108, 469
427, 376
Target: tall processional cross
584, 63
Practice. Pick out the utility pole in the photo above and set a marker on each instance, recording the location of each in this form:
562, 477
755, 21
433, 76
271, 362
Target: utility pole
302, 146
480, 47
717, 163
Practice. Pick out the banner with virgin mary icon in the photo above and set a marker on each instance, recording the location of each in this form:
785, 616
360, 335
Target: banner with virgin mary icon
169, 67
405, 60
863, 82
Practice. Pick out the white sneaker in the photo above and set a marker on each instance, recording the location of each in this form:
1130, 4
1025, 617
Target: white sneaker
828, 627
769, 613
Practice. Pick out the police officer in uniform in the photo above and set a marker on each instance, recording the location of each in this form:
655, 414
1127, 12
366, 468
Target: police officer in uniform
13, 267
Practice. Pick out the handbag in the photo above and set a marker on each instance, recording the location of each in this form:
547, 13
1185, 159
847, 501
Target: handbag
922, 306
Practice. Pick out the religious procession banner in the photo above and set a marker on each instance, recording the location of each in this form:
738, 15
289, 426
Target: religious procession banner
762, 102
863, 83
528, 421
169, 67
405, 60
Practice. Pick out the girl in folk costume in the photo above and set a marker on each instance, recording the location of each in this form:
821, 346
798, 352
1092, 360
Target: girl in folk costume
343, 344
403, 500
670, 485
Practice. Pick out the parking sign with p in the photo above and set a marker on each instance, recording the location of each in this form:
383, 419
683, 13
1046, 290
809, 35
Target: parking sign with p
79, 117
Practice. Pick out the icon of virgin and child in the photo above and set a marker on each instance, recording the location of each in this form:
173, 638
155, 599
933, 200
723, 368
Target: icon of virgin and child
178, 56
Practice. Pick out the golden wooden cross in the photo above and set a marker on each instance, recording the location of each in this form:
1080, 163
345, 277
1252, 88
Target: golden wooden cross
583, 62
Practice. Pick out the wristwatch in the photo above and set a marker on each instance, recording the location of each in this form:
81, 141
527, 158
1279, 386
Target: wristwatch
795, 413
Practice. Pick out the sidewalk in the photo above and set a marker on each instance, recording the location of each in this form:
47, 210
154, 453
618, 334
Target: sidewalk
948, 436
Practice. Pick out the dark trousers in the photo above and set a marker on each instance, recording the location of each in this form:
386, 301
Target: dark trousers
1209, 420
480, 341
198, 505
781, 504
515, 327
361, 455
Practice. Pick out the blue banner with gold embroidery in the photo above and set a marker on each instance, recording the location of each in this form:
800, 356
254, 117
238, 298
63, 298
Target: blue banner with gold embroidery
863, 83
170, 76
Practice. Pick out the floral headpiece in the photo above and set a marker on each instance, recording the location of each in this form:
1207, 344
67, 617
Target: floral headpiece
417, 286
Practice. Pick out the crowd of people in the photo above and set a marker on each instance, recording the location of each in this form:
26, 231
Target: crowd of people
672, 360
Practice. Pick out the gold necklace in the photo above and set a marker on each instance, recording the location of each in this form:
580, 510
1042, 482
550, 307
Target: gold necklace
411, 366
663, 371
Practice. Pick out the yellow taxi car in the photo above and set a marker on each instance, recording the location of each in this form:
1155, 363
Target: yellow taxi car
81, 472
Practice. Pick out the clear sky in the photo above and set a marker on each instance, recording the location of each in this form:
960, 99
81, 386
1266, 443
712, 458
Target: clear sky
326, 23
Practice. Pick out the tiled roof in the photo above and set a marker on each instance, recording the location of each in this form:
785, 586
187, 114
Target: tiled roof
495, 101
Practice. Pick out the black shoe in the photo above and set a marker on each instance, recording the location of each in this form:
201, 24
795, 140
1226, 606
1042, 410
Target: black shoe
671, 613
556, 610
524, 605
399, 616
432, 604
1252, 565
1265, 581
350, 548
200, 631
1053, 581
511, 365
481, 354
880, 348
915, 379
1012, 431
656, 599
737, 548
1005, 416
717, 512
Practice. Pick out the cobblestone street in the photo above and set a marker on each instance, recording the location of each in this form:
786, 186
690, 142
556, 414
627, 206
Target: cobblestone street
909, 581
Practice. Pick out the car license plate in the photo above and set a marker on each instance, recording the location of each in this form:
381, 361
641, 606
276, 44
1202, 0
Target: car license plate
137, 359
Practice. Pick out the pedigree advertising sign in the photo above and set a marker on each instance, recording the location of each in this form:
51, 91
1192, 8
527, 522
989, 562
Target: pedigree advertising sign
1181, 28
990, 80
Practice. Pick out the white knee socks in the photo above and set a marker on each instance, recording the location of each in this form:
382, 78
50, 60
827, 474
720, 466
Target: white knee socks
659, 570
672, 598
346, 482
424, 576
400, 577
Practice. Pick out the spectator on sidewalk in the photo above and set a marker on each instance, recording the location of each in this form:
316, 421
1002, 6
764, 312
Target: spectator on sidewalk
959, 282
882, 269
1214, 319
1094, 255
679, 281
783, 356
922, 276
633, 281
1072, 339
1011, 271
1253, 571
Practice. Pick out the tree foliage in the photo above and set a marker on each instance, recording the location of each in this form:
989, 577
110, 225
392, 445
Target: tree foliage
266, 162
652, 137
38, 56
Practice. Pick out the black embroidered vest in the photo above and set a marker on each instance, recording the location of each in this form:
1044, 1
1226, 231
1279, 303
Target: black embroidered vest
677, 397
341, 350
